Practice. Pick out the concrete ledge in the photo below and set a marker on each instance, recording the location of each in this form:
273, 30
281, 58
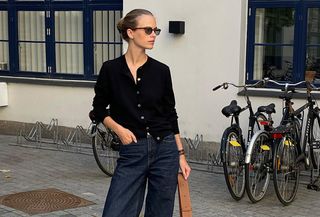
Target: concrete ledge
46, 81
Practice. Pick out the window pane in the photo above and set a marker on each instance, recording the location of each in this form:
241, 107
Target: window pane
31, 35
3, 25
103, 52
313, 26
313, 41
4, 56
105, 26
313, 62
69, 28
274, 25
273, 62
107, 40
32, 57
31, 25
69, 58
4, 45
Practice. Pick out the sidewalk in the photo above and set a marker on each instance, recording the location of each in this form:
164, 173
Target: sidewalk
78, 174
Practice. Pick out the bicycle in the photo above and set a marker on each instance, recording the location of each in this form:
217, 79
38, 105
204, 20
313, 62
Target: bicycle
105, 145
280, 150
233, 146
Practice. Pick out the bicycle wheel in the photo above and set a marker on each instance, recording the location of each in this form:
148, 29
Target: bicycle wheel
258, 167
315, 141
285, 170
105, 157
232, 155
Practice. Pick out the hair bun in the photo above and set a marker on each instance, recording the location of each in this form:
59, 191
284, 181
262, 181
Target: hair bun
120, 26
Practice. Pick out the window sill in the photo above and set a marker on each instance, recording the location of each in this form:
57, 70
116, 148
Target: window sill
44, 81
275, 93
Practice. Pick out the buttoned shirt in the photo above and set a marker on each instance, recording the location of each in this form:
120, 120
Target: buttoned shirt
145, 106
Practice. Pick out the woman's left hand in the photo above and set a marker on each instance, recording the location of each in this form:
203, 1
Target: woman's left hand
184, 166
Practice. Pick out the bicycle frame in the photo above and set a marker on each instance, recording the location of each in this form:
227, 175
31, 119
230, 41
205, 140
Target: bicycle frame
289, 113
252, 119
235, 118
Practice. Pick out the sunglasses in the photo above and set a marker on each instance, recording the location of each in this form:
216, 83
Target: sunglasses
149, 30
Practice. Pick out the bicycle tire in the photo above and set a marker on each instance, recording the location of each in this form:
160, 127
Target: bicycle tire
232, 154
257, 166
285, 170
104, 155
314, 139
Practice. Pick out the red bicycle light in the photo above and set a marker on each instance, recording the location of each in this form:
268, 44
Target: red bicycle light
264, 122
277, 135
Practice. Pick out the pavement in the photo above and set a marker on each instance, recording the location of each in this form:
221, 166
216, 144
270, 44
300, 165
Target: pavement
78, 174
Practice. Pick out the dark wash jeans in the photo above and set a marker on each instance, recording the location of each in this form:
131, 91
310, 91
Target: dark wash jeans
145, 161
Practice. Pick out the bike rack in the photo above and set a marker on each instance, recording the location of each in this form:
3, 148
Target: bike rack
36, 132
35, 135
201, 157
74, 138
193, 145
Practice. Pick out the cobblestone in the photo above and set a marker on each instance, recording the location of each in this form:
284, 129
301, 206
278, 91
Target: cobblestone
78, 174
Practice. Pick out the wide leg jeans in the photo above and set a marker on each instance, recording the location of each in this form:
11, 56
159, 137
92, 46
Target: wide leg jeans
145, 161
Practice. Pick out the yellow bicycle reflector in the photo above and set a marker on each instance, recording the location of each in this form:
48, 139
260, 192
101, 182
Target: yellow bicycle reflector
265, 148
235, 143
287, 142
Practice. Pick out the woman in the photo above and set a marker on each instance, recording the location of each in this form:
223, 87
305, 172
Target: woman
137, 91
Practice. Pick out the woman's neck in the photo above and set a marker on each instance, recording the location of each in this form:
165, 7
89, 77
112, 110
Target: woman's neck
136, 57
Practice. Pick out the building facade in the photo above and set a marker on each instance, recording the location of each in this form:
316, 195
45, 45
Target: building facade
51, 52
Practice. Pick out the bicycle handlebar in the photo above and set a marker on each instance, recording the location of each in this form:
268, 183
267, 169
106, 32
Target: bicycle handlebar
261, 83
309, 85
225, 85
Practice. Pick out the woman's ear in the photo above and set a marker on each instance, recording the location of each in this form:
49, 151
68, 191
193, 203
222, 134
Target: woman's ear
130, 33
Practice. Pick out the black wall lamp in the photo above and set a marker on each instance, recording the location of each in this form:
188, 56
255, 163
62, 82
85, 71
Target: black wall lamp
176, 27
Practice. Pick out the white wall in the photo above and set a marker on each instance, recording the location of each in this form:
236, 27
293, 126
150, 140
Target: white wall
30, 103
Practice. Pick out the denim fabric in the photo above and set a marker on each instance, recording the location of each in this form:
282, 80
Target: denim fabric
145, 161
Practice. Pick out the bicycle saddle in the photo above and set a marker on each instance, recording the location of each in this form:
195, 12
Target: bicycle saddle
232, 109
269, 109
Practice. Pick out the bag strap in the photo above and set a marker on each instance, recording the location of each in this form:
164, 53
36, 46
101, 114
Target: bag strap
184, 197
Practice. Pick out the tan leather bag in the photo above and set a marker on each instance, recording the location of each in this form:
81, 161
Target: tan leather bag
184, 197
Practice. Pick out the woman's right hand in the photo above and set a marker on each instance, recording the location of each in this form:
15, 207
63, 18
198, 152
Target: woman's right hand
126, 136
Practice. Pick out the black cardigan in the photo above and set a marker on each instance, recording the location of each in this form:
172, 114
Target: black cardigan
142, 107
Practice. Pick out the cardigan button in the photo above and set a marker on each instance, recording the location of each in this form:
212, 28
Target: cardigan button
158, 138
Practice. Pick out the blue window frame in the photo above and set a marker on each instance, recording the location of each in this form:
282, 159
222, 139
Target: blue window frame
283, 40
58, 39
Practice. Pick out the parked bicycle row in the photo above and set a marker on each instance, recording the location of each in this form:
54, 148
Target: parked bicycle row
281, 151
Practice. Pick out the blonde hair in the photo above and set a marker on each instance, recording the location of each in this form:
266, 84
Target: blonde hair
130, 21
